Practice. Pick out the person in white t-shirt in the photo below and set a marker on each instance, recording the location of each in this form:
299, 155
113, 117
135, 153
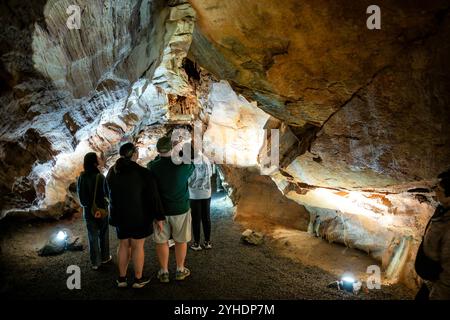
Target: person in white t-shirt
200, 199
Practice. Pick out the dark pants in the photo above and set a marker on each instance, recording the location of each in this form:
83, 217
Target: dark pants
98, 234
200, 212
423, 293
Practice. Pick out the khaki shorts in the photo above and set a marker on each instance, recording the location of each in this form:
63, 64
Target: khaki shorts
179, 227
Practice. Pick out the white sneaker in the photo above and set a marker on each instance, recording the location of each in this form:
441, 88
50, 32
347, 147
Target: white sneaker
94, 267
122, 282
140, 283
171, 243
196, 247
207, 245
107, 260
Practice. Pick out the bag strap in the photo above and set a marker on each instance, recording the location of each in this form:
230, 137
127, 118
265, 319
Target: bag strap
428, 225
426, 228
95, 191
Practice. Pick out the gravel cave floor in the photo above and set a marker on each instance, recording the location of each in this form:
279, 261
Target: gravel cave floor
231, 270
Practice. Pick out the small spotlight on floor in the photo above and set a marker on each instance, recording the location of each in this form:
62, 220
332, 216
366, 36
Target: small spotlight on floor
347, 283
61, 235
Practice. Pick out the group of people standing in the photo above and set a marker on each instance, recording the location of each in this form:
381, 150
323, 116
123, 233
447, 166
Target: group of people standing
171, 200
165, 200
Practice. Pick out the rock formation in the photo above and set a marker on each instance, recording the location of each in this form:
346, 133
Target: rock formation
70, 91
364, 112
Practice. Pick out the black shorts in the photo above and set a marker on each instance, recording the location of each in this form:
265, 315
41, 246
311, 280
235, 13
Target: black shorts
137, 233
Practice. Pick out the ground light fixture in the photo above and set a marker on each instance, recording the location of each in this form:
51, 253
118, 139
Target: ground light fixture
347, 283
61, 236
60, 240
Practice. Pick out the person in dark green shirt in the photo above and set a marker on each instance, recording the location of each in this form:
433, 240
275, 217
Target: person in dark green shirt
172, 183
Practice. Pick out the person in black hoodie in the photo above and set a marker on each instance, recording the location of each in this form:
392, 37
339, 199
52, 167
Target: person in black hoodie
134, 203
436, 242
98, 231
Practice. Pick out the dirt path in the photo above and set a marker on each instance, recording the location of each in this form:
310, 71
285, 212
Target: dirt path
231, 270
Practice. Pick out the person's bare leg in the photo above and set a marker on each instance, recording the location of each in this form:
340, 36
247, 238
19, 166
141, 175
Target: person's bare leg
180, 254
162, 251
137, 254
123, 254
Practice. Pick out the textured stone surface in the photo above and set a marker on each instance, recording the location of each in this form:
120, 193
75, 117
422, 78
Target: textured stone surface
313, 55
378, 100
69, 92
115, 38
382, 138
235, 132
364, 113
252, 237
262, 207
387, 226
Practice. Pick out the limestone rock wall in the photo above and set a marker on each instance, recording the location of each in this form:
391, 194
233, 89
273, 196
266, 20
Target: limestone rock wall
375, 102
68, 92
235, 132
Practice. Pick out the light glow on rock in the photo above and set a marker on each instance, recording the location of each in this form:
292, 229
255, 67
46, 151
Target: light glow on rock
353, 202
235, 131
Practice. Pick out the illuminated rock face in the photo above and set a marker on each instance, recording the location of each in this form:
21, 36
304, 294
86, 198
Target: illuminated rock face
365, 113
375, 102
388, 226
68, 92
235, 131
114, 40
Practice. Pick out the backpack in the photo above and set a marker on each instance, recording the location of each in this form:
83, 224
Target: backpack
426, 268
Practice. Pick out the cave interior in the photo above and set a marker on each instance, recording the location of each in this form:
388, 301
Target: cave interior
328, 136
